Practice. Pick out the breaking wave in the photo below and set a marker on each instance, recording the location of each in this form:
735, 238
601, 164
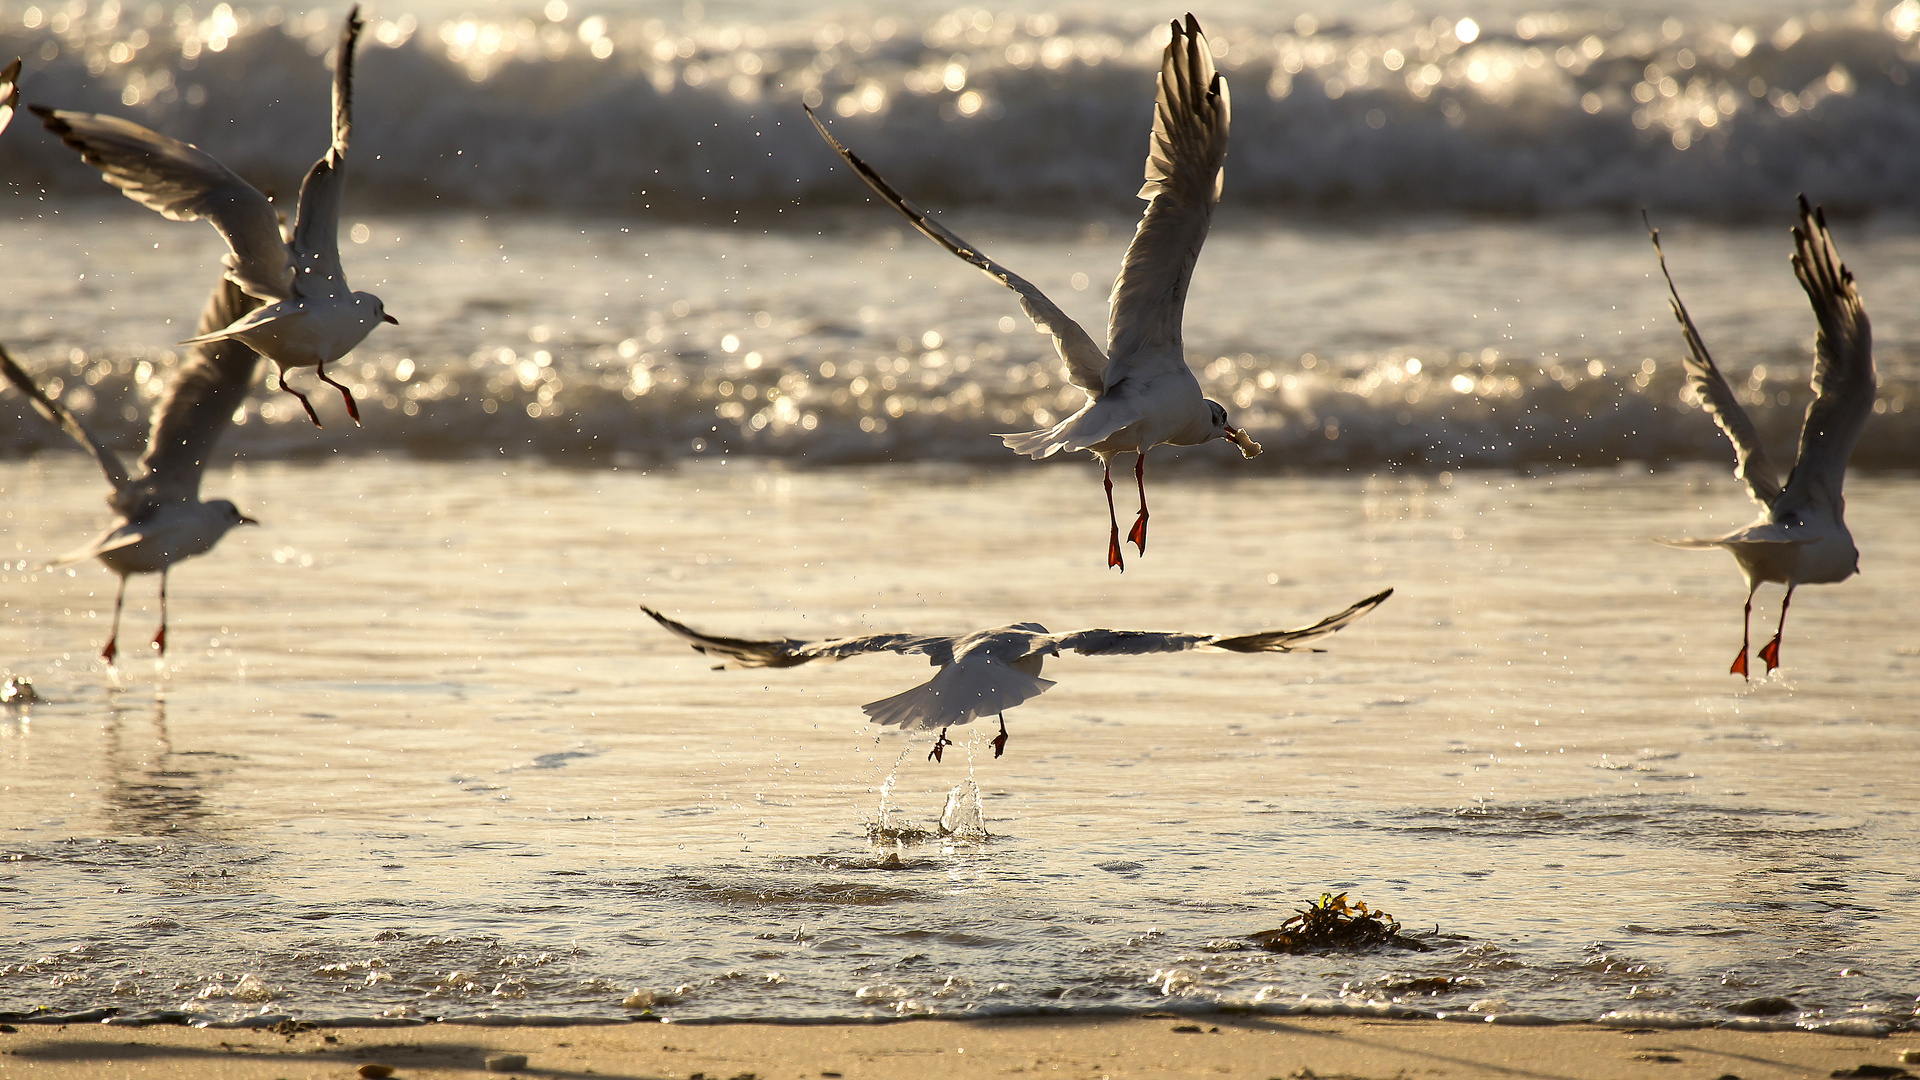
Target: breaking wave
1712, 114
831, 406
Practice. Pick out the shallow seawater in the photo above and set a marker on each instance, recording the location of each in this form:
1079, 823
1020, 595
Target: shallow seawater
416, 752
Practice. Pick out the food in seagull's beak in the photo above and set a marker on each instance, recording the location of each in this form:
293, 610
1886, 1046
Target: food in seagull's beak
1239, 438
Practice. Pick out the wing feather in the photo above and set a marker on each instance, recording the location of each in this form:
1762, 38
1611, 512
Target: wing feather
1135, 642
9, 92
792, 652
57, 413
1751, 462
1191, 114
316, 232
1085, 362
182, 182
1844, 384
199, 402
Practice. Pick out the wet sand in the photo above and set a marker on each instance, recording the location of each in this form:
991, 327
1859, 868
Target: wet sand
1188, 1045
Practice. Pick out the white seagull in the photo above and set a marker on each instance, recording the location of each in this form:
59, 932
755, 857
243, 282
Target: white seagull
9, 92
161, 517
989, 671
310, 318
1802, 536
1140, 392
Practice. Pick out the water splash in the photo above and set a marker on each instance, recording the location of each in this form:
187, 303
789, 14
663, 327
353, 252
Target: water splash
965, 817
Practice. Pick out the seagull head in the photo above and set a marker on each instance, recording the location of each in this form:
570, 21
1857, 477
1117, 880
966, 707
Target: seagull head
368, 300
230, 514
1224, 430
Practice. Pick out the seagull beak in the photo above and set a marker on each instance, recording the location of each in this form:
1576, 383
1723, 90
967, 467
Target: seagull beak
384, 317
245, 520
1239, 438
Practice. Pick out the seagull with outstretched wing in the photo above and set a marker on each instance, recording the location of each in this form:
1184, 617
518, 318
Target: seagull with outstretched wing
1140, 391
308, 317
989, 671
1801, 537
161, 518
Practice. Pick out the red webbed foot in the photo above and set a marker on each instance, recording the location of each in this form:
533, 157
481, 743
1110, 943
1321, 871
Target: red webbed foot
1770, 652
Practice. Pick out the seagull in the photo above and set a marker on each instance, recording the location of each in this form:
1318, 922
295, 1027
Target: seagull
161, 517
1801, 537
310, 318
1140, 392
9, 91
989, 671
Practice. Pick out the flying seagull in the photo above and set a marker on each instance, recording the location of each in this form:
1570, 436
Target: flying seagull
161, 516
989, 671
309, 317
1801, 537
1140, 392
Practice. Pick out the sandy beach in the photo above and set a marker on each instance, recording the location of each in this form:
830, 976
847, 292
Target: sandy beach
1168, 1046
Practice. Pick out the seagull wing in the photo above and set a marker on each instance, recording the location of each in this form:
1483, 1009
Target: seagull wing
184, 183
316, 234
792, 652
198, 405
1134, 642
1750, 457
109, 461
1086, 364
1184, 155
9, 91
1843, 377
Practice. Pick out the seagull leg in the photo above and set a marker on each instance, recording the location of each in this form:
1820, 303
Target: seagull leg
939, 746
353, 408
1746, 624
1000, 740
1139, 533
160, 638
113, 636
1770, 652
1113, 537
304, 403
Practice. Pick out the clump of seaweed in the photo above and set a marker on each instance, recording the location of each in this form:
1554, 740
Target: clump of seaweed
1332, 923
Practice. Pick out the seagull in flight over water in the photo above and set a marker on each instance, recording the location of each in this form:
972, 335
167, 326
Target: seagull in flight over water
1140, 392
1801, 538
309, 317
989, 671
161, 517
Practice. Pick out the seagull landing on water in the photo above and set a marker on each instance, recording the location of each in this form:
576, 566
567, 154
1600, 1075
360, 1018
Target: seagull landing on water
1802, 537
1140, 392
989, 671
310, 317
161, 517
